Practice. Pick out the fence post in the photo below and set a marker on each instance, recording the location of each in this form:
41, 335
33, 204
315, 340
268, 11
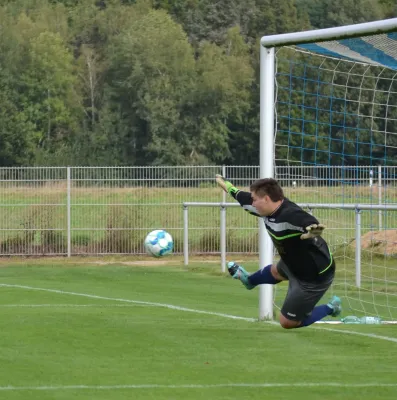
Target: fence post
358, 248
68, 205
380, 194
185, 235
223, 238
223, 226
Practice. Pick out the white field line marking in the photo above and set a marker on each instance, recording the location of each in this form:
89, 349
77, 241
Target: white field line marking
197, 386
370, 335
147, 303
172, 307
73, 305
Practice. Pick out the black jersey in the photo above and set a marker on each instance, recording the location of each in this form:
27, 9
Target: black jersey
308, 259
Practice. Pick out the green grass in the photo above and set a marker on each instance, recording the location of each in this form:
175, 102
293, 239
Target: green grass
58, 339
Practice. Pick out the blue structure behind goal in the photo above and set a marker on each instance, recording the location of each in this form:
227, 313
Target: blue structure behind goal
337, 102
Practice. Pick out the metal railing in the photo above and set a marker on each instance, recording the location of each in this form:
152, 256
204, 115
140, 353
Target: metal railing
109, 210
357, 208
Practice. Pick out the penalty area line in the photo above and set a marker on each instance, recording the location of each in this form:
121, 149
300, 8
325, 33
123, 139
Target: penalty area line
146, 303
185, 309
73, 305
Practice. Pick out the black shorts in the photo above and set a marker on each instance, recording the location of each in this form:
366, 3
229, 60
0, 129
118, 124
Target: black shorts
302, 296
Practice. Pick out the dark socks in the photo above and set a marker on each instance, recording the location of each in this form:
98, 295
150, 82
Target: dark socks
318, 313
263, 276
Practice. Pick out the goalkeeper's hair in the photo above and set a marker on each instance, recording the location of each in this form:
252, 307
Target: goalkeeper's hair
267, 187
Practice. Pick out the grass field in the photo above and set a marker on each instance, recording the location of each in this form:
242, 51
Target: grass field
126, 328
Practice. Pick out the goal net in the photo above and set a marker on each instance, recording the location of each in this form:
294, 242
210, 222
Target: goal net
335, 145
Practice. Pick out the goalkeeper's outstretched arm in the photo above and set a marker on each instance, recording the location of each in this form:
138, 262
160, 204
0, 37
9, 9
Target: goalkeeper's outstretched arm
244, 198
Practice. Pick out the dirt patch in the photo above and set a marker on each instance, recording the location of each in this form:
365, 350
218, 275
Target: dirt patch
137, 260
380, 242
151, 263
78, 260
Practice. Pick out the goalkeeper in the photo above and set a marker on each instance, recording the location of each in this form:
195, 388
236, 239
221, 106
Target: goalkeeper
306, 261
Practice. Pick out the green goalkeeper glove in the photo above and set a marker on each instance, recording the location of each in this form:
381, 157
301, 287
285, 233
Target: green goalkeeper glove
313, 231
225, 185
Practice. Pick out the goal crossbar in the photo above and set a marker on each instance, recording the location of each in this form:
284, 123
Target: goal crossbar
321, 35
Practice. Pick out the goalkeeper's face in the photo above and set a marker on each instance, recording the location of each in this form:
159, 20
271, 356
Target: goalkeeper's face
264, 204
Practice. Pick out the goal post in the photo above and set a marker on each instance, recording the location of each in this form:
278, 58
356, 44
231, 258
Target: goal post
266, 168
340, 110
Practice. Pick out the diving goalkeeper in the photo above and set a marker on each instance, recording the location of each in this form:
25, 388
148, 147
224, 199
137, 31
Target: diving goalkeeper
305, 259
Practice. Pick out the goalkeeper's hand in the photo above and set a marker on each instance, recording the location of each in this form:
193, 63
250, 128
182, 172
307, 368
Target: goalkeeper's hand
313, 231
225, 185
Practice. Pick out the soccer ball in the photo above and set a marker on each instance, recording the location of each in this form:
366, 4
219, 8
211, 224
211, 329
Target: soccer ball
159, 243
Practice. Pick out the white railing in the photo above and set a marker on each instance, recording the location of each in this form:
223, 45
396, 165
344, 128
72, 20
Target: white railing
108, 210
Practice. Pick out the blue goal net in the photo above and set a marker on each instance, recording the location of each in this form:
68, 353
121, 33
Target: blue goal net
337, 102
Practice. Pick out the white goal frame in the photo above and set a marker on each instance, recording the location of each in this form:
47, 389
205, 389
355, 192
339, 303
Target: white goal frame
267, 117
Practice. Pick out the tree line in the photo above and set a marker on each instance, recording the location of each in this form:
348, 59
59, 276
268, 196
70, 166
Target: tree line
161, 82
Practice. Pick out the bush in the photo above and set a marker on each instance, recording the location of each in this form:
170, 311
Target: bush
124, 233
40, 234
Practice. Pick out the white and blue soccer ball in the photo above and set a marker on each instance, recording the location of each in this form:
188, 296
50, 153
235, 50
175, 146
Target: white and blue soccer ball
159, 243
